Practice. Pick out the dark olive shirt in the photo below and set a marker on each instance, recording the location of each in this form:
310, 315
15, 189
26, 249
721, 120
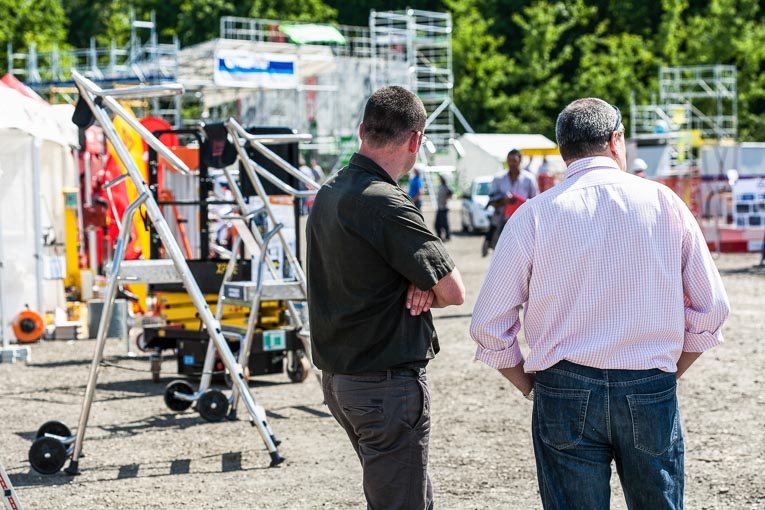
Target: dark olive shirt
366, 242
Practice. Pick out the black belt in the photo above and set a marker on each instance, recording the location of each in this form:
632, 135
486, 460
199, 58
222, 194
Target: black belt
408, 371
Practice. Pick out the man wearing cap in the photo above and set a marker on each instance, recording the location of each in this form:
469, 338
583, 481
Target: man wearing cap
620, 296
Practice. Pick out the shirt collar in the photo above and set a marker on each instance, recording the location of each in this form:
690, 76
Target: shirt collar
593, 163
370, 166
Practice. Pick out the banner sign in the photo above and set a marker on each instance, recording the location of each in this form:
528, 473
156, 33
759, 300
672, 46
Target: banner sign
236, 68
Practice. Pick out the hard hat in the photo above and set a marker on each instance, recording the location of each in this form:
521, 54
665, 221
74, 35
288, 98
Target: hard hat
638, 165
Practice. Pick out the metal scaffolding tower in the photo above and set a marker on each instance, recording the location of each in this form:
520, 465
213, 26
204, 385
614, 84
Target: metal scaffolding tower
701, 98
697, 104
711, 92
423, 40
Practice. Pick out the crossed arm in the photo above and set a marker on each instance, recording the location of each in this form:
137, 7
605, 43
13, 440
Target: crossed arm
448, 291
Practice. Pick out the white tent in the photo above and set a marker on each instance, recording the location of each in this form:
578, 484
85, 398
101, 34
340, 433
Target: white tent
36, 164
485, 154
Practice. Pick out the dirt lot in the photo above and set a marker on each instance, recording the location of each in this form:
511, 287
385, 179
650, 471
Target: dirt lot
139, 455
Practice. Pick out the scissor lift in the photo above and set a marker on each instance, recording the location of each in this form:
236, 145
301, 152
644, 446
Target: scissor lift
50, 451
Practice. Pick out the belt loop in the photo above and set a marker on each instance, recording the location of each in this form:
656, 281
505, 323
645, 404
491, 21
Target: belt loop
389, 373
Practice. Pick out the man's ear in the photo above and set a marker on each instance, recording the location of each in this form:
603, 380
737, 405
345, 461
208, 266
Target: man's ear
361, 131
414, 142
613, 143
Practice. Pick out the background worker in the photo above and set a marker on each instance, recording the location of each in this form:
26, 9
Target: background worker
415, 188
516, 182
374, 270
620, 297
442, 213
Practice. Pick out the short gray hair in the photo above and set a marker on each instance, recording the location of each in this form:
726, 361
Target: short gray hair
584, 128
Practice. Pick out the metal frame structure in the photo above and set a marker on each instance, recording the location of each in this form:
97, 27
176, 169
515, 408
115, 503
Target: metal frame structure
250, 294
411, 48
135, 63
692, 99
423, 39
175, 268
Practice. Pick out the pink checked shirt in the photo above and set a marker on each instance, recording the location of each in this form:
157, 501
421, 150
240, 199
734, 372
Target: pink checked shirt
613, 272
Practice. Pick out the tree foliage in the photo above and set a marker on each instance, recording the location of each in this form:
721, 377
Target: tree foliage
517, 63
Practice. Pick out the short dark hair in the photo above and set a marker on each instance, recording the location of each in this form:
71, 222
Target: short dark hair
584, 128
514, 152
390, 116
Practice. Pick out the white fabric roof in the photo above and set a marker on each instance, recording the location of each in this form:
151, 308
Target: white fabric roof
26, 115
498, 145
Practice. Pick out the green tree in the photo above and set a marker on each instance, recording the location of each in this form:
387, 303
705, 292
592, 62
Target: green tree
479, 66
24, 22
293, 10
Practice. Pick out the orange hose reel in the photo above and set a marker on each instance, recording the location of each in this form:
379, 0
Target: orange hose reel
28, 326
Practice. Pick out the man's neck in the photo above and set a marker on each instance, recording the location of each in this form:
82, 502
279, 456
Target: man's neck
389, 160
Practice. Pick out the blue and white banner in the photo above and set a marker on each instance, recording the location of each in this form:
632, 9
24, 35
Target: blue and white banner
236, 68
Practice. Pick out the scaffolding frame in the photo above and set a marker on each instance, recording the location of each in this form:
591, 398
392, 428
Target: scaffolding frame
423, 40
699, 98
137, 62
697, 104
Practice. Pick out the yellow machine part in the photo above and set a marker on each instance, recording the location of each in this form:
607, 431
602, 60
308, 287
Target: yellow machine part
177, 308
71, 236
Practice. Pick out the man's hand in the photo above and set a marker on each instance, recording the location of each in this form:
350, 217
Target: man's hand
418, 301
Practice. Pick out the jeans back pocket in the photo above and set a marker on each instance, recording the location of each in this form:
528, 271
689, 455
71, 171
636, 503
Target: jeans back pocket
561, 415
655, 420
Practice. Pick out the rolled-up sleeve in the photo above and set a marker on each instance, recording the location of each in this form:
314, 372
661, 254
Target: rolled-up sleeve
705, 300
496, 320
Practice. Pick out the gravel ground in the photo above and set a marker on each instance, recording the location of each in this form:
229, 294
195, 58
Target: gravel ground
140, 455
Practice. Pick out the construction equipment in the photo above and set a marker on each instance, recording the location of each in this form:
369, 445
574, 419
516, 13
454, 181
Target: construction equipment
93, 105
210, 402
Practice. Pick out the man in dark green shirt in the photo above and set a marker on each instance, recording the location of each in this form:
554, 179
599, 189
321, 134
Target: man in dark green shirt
374, 271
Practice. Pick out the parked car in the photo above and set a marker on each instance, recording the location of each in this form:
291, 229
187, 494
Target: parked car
476, 216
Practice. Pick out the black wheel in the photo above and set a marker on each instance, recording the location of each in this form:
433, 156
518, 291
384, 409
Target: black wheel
173, 402
140, 342
213, 405
298, 371
54, 428
47, 455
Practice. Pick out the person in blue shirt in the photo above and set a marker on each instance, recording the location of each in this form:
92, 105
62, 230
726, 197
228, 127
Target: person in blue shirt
415, 188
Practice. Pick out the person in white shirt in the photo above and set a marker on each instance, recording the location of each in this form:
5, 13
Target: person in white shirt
620, 296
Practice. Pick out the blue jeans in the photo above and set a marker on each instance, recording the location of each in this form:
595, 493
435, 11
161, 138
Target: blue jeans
585, 417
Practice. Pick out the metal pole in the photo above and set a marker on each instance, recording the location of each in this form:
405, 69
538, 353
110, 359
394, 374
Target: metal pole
37, 212
103, 327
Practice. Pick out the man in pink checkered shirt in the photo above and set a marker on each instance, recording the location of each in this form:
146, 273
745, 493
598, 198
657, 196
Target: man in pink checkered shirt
620, 297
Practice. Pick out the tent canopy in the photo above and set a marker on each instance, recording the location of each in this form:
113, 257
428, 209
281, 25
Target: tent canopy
498, 145
39, 119
36, 165
312, 33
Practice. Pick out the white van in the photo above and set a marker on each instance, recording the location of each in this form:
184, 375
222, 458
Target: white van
476, 216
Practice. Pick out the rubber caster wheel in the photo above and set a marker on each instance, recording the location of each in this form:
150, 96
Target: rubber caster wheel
54, 428
299, 372
47, 455
173, 402
213, 405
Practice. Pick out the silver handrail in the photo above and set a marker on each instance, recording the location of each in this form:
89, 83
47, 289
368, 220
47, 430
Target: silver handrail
256, 142
90, 88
